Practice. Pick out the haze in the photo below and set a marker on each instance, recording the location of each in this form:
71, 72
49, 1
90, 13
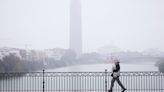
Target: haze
42, 24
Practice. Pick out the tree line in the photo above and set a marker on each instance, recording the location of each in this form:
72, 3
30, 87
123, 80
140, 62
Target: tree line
160, 65
12, 63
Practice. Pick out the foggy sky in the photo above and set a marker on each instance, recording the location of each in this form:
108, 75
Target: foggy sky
42, 24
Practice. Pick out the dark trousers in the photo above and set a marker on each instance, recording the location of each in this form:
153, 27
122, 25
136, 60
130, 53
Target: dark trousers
118, 81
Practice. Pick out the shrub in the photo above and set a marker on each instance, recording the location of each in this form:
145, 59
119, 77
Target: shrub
161, 66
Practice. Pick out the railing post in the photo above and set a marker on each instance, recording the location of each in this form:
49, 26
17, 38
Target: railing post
106, 90
43, 79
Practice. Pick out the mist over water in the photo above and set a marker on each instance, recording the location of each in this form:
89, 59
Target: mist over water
147, 66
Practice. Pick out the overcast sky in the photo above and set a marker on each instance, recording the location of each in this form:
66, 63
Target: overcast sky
42, 24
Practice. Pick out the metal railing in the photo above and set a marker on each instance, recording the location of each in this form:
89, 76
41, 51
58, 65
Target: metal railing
80, 82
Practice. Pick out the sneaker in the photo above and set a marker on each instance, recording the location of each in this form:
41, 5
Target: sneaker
124, 90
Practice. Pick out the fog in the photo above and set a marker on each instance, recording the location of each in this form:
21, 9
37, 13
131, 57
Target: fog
41, 24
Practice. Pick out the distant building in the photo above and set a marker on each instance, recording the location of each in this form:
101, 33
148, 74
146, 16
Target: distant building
56, 53
75, 26
108, 49
33, 55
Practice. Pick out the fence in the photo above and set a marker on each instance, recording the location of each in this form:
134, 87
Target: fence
80, 82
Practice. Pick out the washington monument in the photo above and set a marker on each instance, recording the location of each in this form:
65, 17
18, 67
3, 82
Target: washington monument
75, 26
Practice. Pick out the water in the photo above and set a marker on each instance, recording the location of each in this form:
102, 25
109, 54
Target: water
101, 68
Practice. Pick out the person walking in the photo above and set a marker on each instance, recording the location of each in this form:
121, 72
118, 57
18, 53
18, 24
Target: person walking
115, 76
